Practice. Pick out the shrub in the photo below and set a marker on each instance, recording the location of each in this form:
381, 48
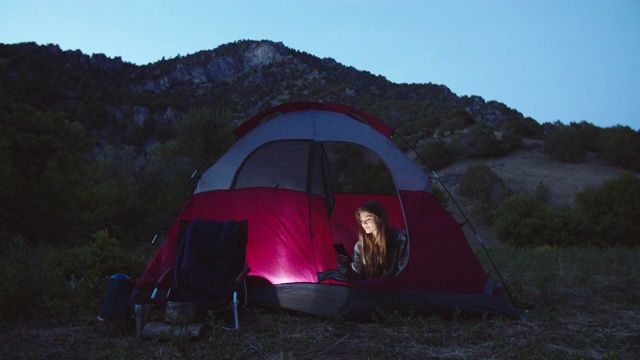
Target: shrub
27, 283
543, 193
95, 261
592, 136
480, 182
430, 123
480, 141
436, 154
483, 185
458, 120
509, 142
609, 214
450, 126
526, 127
564, 143
523, 220
85, 270
603, 217
463, 115
621, 147
42, 284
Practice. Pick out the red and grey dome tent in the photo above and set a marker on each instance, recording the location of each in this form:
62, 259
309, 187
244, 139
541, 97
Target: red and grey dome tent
284, 175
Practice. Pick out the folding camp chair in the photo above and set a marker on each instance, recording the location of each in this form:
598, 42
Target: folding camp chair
210, 267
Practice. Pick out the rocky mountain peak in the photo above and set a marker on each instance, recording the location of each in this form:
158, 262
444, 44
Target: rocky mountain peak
263, 53
238, 78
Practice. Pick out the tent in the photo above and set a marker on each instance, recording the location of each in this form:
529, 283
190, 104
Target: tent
284, 174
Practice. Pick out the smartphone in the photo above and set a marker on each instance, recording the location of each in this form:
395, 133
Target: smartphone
341, 250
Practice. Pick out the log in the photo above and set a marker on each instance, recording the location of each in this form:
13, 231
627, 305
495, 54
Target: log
162, 330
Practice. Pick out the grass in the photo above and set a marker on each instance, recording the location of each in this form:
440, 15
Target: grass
576, 304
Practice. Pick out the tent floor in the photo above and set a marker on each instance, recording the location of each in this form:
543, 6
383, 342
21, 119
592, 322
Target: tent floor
343, 302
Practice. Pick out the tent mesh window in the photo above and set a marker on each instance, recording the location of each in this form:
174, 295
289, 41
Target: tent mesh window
358, 170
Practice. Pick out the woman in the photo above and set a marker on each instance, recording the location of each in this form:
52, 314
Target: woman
381, 251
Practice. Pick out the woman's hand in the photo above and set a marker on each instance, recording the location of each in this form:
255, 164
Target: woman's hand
344, 260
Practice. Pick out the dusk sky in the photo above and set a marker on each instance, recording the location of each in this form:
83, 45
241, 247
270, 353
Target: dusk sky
564, 60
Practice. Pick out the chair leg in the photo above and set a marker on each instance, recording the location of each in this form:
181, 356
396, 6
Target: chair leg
234, 307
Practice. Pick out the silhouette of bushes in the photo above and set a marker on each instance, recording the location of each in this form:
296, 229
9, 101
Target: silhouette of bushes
485, 187
47, 194
565, 143
43, 282
604, 217
436, 154
621, 147
523, 220
480, 141
458, 120
26, 280
527, 127
610, 214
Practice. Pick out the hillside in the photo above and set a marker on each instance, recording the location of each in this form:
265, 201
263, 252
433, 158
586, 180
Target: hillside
523, 170
119, 102
527, 167
118, 140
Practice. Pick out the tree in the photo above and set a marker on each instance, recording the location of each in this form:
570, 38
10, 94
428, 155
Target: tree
9, 181
117, 189
44, 157
202, 131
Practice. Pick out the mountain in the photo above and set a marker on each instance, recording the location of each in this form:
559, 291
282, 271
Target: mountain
108, 144
119, 102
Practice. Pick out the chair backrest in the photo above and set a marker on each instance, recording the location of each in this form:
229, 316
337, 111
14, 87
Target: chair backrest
210, 257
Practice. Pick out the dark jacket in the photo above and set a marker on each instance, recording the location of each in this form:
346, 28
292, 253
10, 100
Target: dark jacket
397, 257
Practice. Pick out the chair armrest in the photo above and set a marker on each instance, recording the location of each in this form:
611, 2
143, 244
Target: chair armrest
164, 276
243, 274
159, 283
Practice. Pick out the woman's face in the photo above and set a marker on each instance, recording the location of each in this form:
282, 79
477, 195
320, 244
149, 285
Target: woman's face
369, 222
